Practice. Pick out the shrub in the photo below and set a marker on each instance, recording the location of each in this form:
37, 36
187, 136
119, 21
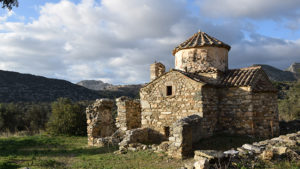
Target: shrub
67, 118
289, 106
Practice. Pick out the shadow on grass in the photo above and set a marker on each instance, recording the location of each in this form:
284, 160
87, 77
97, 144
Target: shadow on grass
46, 146
8, 165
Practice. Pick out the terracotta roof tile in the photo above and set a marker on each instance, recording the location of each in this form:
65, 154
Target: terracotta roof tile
239, 77
230, 78
200, 39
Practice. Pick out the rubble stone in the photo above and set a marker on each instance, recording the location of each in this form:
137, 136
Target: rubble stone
100, 122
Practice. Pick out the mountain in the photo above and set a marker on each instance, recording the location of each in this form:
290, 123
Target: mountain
295, 69
111, 91
276, 74
17, 87
94, 84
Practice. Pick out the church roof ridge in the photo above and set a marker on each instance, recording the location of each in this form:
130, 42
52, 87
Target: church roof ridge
200, 39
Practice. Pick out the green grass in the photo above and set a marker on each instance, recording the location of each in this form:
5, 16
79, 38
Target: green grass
43, 151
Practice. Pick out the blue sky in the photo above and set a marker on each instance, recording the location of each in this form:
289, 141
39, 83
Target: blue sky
116, 40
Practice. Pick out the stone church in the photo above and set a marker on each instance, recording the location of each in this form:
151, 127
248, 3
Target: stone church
199, 98
237, 101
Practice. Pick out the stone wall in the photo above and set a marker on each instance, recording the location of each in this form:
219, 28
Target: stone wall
282, 148
195, 59
160, 111
156, 70
266, 122
236, 110
100, 122
184, 134
141, 135
245, 112
129, 113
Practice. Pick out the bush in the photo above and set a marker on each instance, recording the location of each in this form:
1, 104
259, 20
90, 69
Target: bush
22, 116
67, 118
289, 106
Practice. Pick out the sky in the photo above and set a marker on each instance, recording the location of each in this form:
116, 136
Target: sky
116, 40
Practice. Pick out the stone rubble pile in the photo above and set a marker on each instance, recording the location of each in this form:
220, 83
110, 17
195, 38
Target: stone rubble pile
282, 147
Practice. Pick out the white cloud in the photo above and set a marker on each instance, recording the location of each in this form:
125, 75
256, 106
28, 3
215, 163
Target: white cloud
117, 40
255, 9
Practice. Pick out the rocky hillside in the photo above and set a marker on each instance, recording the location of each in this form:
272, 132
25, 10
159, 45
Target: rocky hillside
94, 84
112, 91
295, 69
16, 87
276, 74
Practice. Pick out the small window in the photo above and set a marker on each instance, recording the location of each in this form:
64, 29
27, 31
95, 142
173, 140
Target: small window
169, 90
167, 131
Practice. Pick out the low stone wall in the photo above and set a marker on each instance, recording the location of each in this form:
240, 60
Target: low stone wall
141, 135
284, 147
129, 113
100, 122
184, 134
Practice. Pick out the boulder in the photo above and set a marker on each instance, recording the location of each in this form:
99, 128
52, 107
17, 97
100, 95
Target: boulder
266, 155
202, 163
209, 154
252, 148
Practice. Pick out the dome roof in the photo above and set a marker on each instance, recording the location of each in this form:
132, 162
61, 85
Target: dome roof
200, 39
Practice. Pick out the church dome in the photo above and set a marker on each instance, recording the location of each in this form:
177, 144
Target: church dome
200, 39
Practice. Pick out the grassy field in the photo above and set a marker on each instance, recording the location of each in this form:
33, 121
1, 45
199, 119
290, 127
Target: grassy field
43, 151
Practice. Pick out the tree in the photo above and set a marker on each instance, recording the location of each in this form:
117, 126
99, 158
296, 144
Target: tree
67, 118
9, 3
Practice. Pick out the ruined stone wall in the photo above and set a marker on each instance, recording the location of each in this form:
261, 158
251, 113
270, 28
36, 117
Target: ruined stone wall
266, 122
236, 110
100, 122
184, 134
195, 59
129, 113
160, 111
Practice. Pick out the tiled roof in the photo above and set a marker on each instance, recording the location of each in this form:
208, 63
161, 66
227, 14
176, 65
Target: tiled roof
200, 39
250, 76
240, 77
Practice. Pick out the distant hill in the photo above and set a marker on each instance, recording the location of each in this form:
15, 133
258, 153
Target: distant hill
276, 74
94, 84
112, 91
17, 87
295, 69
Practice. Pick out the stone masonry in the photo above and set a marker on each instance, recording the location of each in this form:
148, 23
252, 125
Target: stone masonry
100, 122
184, 133
129, 113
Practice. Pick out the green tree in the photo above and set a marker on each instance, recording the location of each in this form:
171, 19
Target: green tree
67, 118
289, 106
9, 3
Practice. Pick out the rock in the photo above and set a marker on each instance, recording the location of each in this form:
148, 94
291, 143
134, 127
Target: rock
189, 165
242, 151
163, 146
202, 163
252, 148
210, 154
231, 152
280, 150
266, 155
